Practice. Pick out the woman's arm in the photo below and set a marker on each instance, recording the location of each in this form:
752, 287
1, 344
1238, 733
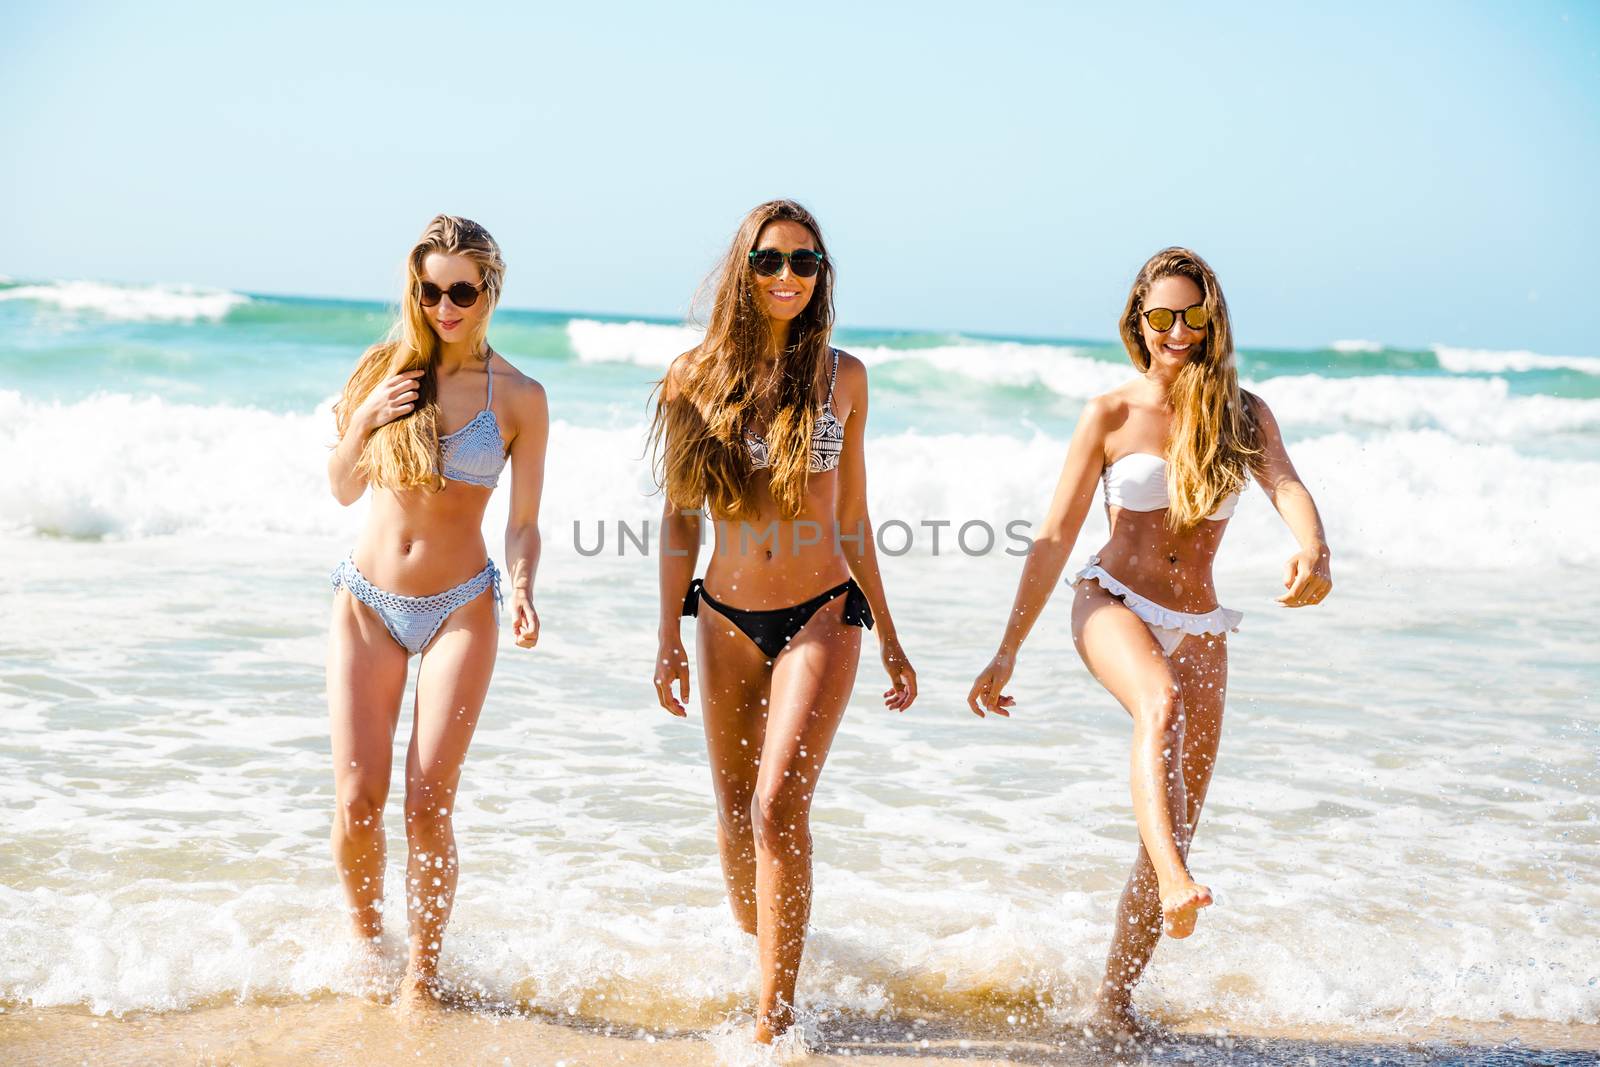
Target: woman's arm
676, 557
1307, 575
391, 399
1047, 556
532, 414
856, 540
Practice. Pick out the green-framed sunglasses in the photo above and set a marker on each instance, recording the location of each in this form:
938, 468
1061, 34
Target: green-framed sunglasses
803, 262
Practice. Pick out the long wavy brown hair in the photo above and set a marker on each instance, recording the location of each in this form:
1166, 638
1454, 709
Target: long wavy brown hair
404, 454
1215, 443
697, 430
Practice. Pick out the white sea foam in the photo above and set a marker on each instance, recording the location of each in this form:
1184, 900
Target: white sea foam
152, 468
132, 303
1488, 361
115, 465
1060, 368
1413, 498
1357, 346
1470, 408
649, 344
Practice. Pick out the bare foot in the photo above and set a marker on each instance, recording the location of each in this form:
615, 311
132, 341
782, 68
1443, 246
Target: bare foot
366, 967
1114, 1022
418, 996
1180, 907
773, 1024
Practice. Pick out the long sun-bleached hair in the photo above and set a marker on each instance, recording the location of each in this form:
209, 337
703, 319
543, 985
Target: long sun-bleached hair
1216, 441
404, 454
697, 430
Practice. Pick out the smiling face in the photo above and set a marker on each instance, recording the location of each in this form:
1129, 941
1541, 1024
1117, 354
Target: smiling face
784, 295
1175, 347
450, 322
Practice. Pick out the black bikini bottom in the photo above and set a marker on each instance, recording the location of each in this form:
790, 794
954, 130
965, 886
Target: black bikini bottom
772, 629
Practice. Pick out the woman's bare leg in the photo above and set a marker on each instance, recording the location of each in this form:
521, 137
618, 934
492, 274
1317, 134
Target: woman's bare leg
366, 679
811, 683
1123, 655
1201, 666
451, 686
734, 677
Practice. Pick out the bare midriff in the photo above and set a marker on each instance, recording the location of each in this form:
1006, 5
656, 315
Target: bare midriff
1171, 568
770, 562
418, 542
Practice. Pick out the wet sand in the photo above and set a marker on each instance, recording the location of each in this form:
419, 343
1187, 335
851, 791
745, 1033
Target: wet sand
350, 1030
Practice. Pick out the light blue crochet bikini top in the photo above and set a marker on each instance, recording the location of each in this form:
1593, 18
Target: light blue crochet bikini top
475, 453
827, 435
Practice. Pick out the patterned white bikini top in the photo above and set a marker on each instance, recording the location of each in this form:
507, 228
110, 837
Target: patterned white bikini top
827, 435
1138, 482
476, 454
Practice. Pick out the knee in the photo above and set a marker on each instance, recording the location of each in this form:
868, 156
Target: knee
733, 814
1162, 712
781, 820
360, 811
429, 804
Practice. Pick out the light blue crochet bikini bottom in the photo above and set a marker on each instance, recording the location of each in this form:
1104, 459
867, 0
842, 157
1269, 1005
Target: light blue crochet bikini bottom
413, 620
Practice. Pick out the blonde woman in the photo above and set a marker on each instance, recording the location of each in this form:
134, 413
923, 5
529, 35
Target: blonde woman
428, 420
1170, 451
764, 422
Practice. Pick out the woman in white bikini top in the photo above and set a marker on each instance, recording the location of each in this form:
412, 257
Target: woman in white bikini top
1171, 451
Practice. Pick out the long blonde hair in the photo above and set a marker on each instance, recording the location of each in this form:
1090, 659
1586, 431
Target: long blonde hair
404, 454
697, 430
1215, 442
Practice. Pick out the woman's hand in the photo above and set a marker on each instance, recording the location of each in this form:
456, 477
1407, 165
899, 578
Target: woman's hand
392, 398
902, 677
1307, 577
525, 621
986, 689
672, 664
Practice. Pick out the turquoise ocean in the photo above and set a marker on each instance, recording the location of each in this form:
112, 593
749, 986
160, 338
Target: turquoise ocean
1404, 826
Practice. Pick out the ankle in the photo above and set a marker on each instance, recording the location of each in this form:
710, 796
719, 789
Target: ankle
1113, 994
777, 1018
1174, 880
366, 923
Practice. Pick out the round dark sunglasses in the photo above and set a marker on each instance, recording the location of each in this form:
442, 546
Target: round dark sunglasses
1195, 316
768, 262
461, 294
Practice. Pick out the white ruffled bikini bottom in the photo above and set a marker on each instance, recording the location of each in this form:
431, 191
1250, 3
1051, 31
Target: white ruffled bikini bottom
1169, 627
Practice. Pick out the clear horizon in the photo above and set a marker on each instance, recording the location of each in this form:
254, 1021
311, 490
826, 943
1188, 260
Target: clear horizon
669, 320
856, 327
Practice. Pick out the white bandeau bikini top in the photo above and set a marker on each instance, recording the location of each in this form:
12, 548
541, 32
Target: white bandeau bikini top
1138, 482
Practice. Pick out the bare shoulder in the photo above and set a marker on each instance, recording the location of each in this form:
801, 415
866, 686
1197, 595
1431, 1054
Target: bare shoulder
677, 373
525, 395
1107, 411
1256, 408
849, 387
852, 372
1254, 405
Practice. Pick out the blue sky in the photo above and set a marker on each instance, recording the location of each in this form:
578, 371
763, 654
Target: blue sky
1410, 173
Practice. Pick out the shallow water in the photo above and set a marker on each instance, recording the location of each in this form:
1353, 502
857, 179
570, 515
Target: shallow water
1403, 827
